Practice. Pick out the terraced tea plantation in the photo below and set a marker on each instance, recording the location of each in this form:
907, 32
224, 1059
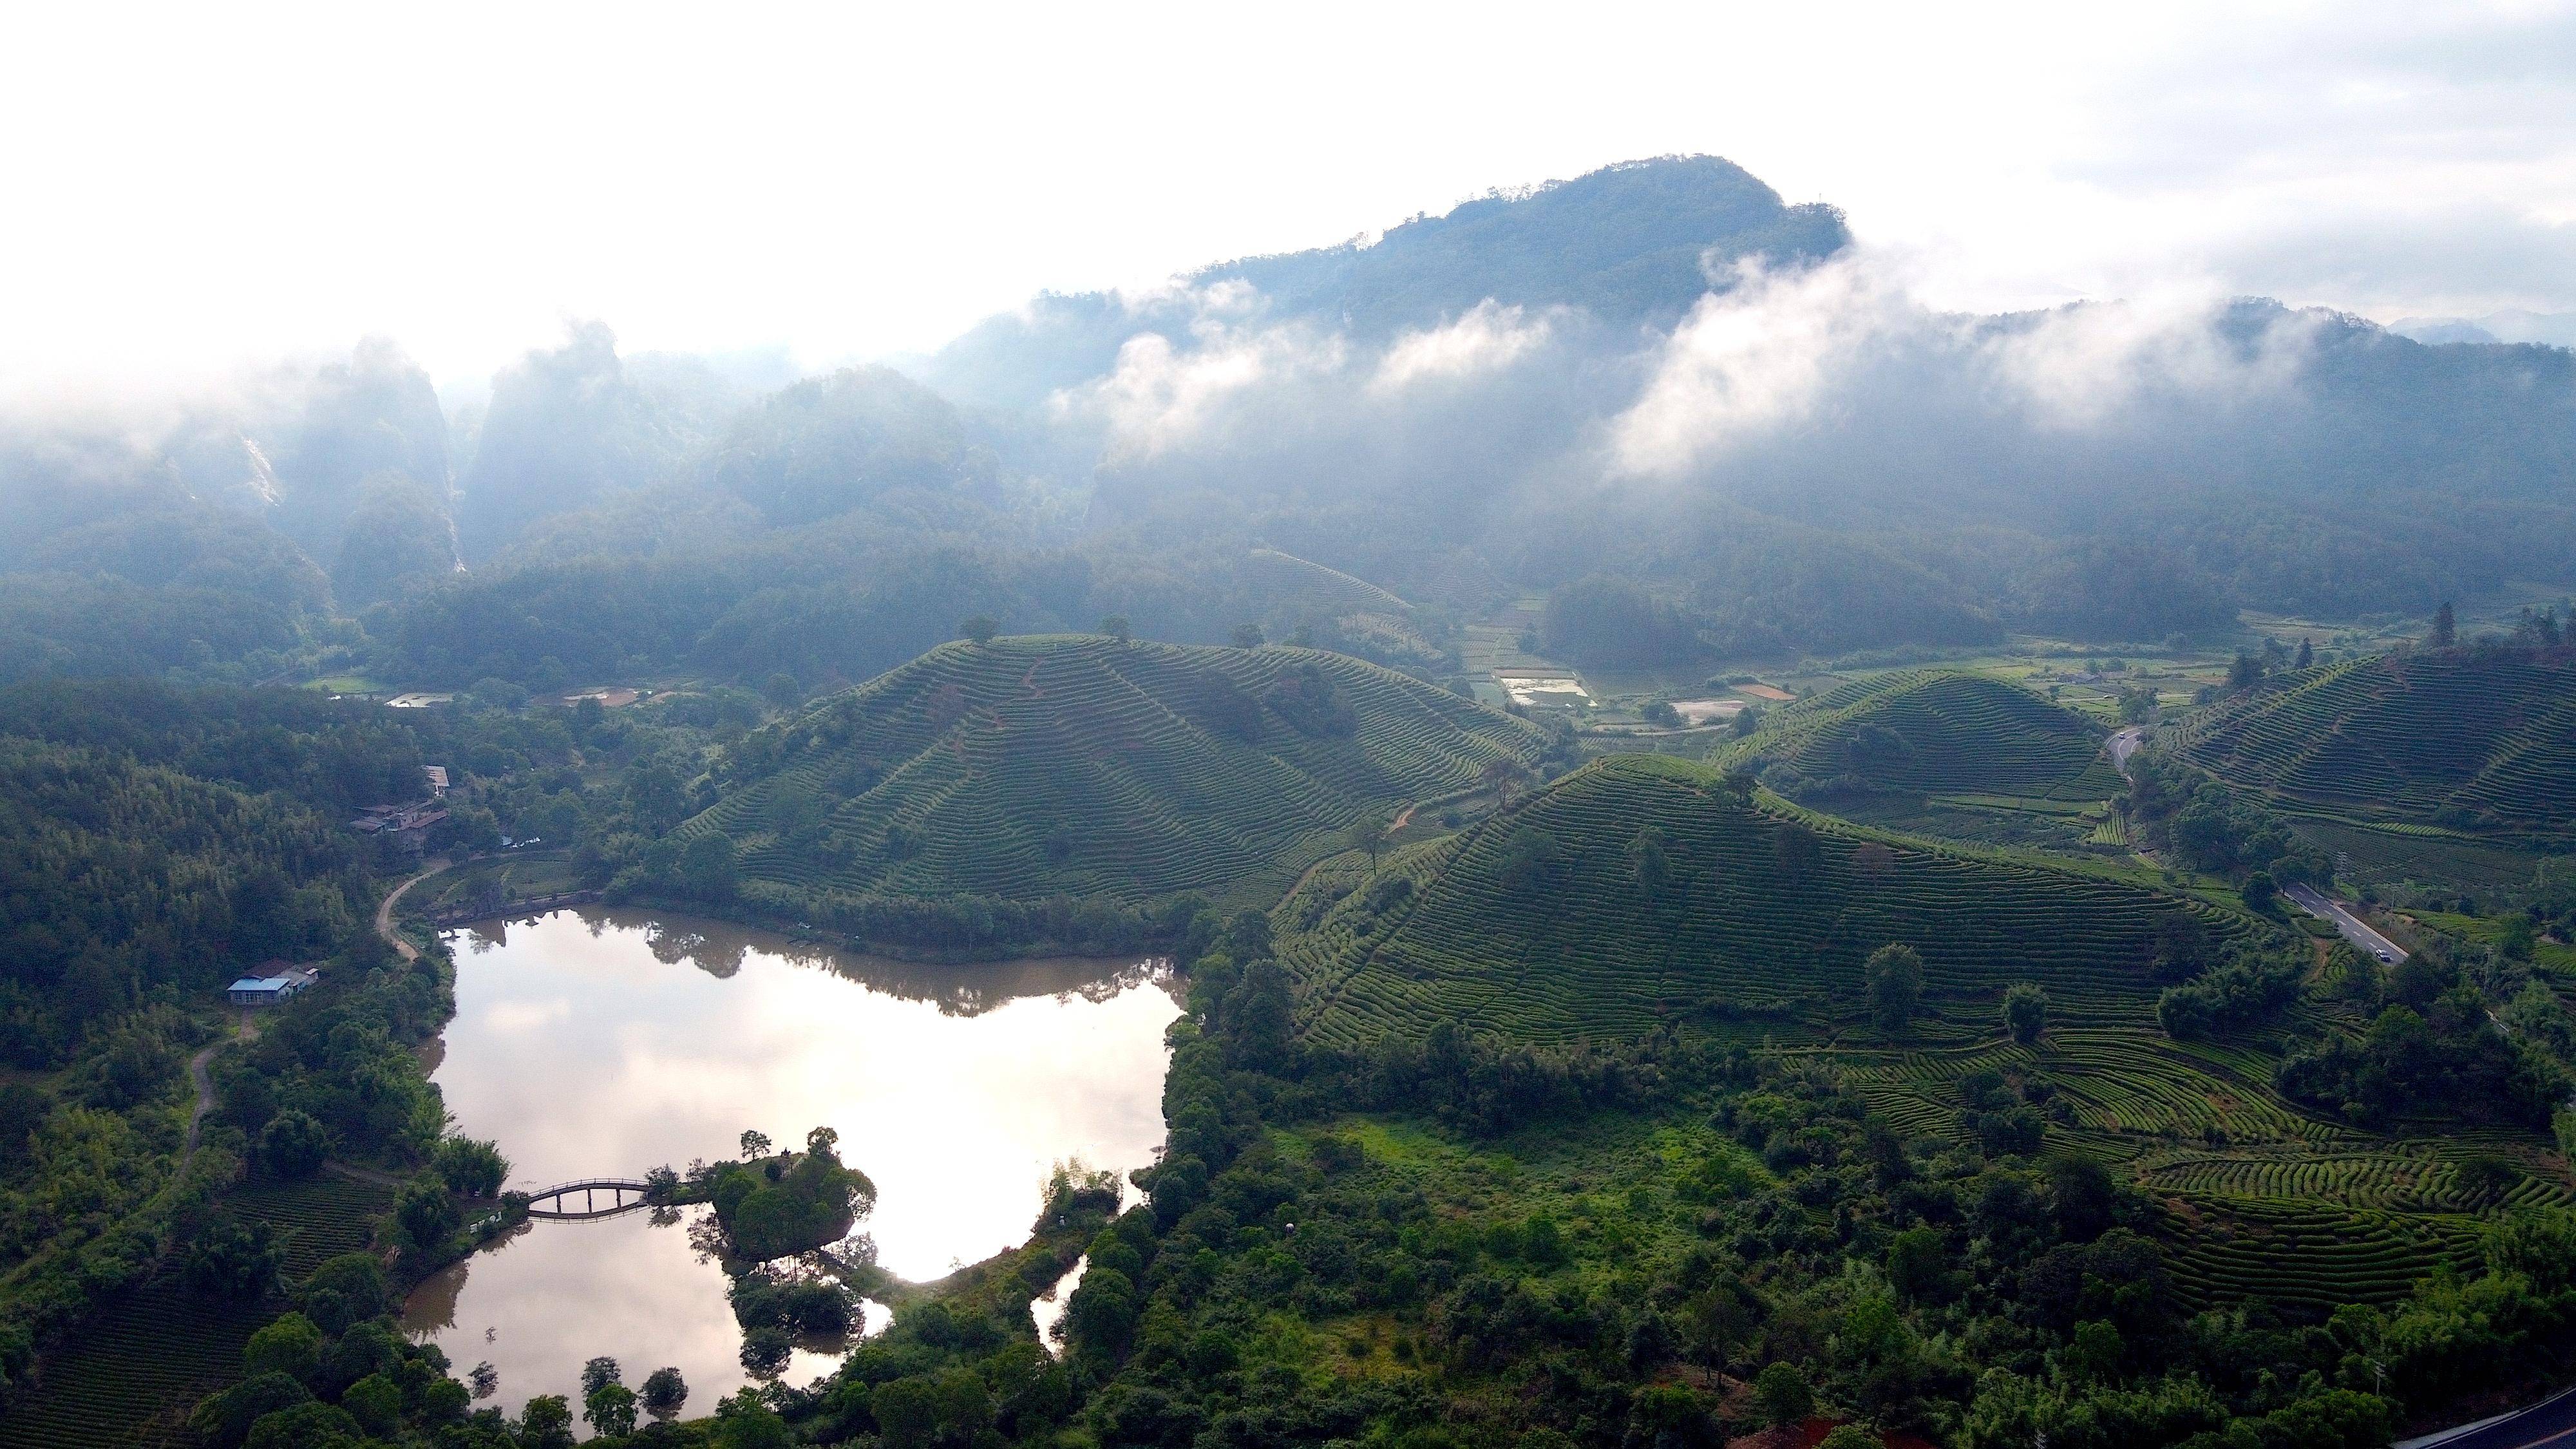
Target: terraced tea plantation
2480, 741
1076, 764
131, 1373
1542, 925
317, 1219
1942, 732
130, 1376
2313, 1254
2123, 1090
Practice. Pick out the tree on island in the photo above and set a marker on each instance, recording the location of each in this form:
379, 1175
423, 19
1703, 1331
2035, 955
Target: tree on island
777, 1208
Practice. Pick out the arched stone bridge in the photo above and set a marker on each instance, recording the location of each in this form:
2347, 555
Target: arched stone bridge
591, 1197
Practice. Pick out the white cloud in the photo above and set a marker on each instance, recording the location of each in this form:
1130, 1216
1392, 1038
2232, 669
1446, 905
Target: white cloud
205, 183
518, 1018
1751, 359
1488, 337
1160, 396
2079, 366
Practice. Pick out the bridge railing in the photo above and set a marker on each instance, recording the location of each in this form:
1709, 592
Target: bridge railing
551, 1201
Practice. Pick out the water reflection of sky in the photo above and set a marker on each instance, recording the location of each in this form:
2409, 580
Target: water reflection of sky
553, 1296
605, 1043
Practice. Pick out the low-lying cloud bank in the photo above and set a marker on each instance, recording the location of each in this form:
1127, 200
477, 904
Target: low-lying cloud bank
1812, 372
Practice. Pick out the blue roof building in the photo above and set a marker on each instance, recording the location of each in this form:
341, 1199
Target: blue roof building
264, 990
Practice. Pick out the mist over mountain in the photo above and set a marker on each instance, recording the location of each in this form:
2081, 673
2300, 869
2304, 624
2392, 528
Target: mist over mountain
1706, 420
1633, 243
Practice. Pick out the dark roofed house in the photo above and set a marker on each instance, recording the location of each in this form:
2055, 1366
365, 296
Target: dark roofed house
407, 824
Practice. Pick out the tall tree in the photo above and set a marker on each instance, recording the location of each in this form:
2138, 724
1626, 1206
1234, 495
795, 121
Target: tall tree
1369, 834
1893, 976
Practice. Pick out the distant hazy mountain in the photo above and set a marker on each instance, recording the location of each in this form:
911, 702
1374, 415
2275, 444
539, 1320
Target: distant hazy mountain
1638, 241
2551, 329
1631, 241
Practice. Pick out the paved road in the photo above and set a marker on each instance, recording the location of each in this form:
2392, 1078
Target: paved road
2351, 926
2550, 1423
2124, 742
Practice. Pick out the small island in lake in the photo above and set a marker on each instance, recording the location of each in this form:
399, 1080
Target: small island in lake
777, 1205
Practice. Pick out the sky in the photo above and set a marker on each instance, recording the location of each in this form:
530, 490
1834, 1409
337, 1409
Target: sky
194, 187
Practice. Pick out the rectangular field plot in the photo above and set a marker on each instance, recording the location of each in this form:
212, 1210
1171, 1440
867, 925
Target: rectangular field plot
319, 1219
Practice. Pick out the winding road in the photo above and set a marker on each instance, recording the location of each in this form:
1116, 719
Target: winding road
2123, 743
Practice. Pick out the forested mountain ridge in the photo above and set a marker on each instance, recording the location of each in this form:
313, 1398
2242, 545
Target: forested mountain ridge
1527, 394
1633, 243
1032, 767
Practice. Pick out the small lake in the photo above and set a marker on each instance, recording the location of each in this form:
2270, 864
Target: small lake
604, 1043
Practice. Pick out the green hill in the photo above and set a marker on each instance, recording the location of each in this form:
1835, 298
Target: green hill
1757, 934
1289, 592
1297, 583
1939, 732
2477, 740
1073, 764
1541, 925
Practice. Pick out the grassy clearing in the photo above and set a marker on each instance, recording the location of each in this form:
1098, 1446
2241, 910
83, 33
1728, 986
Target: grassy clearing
517, 876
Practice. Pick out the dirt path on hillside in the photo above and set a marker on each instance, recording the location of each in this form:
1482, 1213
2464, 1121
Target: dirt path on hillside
1403, 818
385, 912
364, 1174
205, 1085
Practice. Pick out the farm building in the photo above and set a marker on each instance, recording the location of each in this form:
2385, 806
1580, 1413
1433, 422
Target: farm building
269, 989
